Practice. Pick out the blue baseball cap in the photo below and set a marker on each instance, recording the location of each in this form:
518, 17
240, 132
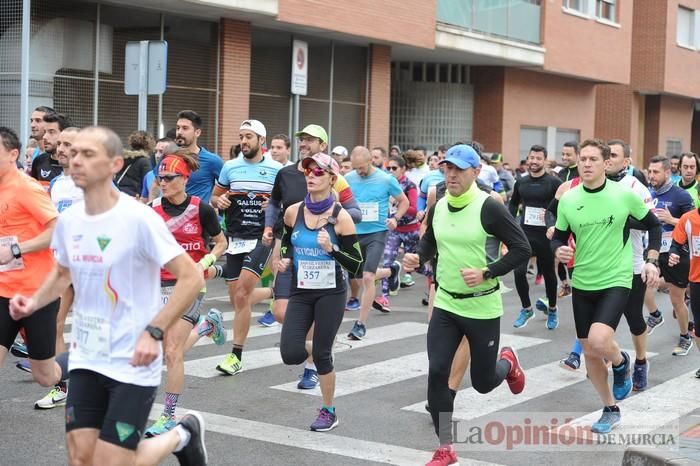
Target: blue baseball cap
462, 156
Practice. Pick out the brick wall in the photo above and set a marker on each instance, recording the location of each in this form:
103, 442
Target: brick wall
488, 82
695, 133
648, 44
652, 110
682, 65
234, 103
379, 95
410, 22
613, 112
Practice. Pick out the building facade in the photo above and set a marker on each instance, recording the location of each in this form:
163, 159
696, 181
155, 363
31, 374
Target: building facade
508, 73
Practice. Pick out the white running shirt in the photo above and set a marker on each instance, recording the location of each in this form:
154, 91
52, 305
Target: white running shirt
64, 192
638, 237
114, 260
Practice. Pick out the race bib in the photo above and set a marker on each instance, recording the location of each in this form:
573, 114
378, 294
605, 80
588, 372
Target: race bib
370, 211
14, 264
666, 238
316, 275
240, 246
696, 245
534, 216
165, 293
91, 337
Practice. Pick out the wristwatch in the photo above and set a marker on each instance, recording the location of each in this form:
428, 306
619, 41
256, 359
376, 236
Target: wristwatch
654, 262
336, 248
15, 250
155, 332
486, 273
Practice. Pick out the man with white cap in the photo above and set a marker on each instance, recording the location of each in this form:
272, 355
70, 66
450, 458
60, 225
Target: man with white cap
339, 153
243, 185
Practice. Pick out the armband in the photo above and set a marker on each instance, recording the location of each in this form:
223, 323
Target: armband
207, 261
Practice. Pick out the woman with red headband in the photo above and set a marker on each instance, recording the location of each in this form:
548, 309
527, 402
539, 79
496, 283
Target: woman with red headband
193, 223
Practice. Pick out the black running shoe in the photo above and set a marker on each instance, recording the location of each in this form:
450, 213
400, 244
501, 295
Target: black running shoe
195, 452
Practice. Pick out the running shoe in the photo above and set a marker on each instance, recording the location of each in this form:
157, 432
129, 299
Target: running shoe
654, 322
407, 281
353, 305
24, 365
195, 452
542, 305
607, 422
539, 279
622, 379
164, 424
683, 347
358, 331
231, 365
552, 320
426, 300
325, 421
268, 320
309, 380
564, 291
516, 376
525, 315
444, 456
55, 397
572, 363
381, 303
19, 350
640, 377
216, 321
697, 374
395, 277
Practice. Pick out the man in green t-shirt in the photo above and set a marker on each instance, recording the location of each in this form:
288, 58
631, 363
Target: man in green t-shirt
468, 300
689, 171
597, 214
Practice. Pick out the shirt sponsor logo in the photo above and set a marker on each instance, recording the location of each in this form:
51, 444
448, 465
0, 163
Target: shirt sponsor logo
45, 173
191, 246
190, 228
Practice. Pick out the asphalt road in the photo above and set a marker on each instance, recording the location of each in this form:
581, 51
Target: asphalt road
258, 417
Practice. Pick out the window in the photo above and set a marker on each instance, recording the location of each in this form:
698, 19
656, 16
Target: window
605, 9
685, 32
579, 5
673, 147
530, 136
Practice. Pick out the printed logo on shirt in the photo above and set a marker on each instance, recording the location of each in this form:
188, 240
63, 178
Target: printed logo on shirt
251, 195
295, 235
579, 207
190, 228
103, 242
45, 174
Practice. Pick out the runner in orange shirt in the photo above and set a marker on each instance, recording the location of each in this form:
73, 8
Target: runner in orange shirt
27, 220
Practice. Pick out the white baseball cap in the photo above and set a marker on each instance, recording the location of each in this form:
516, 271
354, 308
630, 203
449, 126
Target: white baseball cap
340, 150
255, 126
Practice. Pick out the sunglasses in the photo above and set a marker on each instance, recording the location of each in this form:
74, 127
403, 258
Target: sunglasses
317, 171
167, 178
392, 168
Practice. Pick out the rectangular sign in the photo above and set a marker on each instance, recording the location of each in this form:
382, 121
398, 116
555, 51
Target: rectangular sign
300, 67
156, 67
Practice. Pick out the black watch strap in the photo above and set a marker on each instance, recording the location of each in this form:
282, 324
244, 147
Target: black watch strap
155, 332
15, 250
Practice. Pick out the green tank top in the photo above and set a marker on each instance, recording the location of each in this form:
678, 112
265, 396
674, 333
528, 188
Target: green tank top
693, 191
461, 243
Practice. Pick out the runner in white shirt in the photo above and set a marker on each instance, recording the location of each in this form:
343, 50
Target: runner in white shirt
64, 193
111, 248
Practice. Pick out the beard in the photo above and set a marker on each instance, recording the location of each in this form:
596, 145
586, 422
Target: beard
252, 153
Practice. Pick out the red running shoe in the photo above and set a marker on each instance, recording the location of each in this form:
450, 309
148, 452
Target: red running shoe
516, 376
445, 455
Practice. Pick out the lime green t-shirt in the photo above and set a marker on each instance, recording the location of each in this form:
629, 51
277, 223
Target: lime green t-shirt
692, 190
461, 241
597, 219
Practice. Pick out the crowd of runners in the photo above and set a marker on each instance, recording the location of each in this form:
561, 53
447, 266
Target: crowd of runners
125, 239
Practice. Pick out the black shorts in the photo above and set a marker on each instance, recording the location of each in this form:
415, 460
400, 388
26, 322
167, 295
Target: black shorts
678, 274
40, 328
283, 285
118, 410
634, 311
603, 306
694, 289
253, 261
372, 246
193, 312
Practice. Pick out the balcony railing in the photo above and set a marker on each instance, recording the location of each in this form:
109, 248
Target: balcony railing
517, 20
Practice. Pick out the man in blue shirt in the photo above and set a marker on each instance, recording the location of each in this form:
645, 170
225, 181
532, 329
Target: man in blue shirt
372, 188
201, 182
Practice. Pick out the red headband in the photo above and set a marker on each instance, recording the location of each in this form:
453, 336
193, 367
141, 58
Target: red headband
175, 164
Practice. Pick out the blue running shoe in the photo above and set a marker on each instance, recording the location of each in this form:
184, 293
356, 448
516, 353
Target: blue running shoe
24, 365
353, 305
640, 377
542, 305
325, 421
525, 315
216, 321
309, 380
163, 425
358, 331
622, 379
19, 350
268, 320
552, 319
607, 422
